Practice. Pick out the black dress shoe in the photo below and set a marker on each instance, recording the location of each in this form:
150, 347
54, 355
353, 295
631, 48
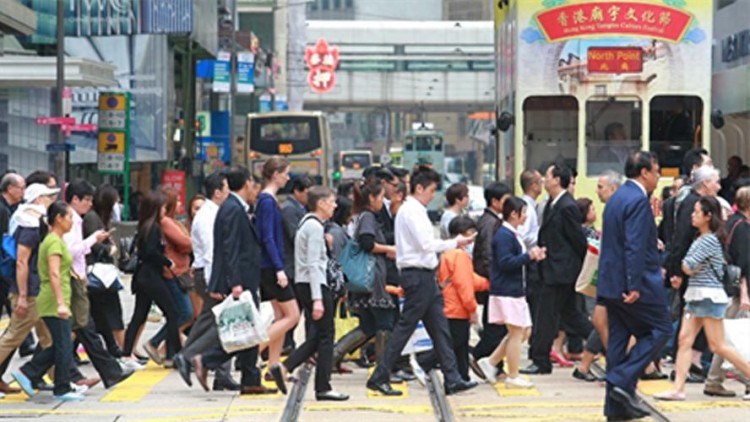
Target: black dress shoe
584, 376
331, 396
631, 403
226, 384
383, 388
533, 369
278, 376
183, 367
126, 373
459, 386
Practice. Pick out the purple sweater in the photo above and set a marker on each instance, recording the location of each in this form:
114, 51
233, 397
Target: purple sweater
270, 232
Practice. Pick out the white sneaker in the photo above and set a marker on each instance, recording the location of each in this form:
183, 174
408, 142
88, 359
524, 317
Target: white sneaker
746, 397
488, 369
518, 382
71, 396
79, 389
131, 364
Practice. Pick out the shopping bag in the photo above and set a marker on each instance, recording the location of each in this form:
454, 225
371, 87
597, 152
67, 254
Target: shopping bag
736, 333
344, 322
419, 341
588, 277
239, 323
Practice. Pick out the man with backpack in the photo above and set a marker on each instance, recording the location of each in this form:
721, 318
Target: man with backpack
27, 229
12, 186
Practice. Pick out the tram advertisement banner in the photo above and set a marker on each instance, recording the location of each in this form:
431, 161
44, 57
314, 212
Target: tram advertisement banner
555, 39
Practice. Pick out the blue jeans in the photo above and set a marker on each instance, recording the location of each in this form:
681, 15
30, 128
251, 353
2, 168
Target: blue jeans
184, 310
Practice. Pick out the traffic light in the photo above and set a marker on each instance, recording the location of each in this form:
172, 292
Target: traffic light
336, 176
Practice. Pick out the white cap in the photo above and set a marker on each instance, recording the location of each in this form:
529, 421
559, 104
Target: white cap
36, 190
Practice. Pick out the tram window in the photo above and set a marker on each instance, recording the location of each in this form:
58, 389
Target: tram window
424, 143
674, 122
613, 131
409, 144
550, 127
438, 144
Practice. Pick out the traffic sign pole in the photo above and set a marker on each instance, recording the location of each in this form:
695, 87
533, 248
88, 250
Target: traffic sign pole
113, 147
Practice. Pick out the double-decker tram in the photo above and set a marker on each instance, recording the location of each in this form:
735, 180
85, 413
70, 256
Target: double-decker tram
588, 82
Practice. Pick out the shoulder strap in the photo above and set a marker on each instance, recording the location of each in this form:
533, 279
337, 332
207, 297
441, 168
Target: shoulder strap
731, 231
310, 217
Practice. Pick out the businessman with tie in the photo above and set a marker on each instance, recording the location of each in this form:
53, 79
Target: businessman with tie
631, 286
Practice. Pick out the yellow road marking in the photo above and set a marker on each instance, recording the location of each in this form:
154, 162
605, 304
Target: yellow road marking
652, 387
4, 323
690, 406
503, 391
524, 416
402, 387
138, 385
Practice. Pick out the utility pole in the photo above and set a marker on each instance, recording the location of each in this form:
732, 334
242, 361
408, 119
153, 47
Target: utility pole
62, 161
233, 74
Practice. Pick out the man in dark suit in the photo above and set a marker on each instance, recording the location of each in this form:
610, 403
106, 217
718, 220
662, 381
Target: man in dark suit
631, 286
555, 299
236, 259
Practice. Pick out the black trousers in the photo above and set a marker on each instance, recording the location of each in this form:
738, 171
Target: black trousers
149, 290
422, 301
60, 354
555, 304
319, 337
460, 330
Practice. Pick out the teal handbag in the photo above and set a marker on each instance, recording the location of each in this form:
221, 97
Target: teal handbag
358, 266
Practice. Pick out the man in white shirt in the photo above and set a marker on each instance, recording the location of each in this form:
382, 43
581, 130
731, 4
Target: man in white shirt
416, 258
531, 184
202, 237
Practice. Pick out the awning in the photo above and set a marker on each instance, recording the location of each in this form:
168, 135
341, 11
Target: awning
17, 19
35, 71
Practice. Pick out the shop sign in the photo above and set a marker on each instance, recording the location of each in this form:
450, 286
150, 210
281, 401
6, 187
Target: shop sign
615, 60
245, 72
222, 73
620, 18
176, 180
322, 60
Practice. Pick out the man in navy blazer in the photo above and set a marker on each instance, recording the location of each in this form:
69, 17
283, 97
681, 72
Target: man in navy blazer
631, 286
234, 270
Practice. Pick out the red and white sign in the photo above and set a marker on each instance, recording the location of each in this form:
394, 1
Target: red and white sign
620, 18
322, 61
615, 60
49, 121
176, 180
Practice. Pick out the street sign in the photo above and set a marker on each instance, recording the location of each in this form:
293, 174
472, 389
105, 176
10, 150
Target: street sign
80, 127
50, 121
113, 111
67, 146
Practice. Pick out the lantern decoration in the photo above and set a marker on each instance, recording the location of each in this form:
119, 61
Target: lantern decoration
322, 61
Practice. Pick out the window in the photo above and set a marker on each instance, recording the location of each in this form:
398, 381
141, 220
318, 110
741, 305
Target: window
326, 5
613, 131
349, 4
550, 126
674, 121
337, 4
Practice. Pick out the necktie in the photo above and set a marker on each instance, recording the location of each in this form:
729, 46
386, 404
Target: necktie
547, 209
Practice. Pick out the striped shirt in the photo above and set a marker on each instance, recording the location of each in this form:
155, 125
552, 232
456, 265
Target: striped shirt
706, 254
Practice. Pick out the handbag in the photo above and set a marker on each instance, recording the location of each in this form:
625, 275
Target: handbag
104, 276
588, 278
358, 266
79, 304
735, 332
732, 273
186, 282
128, 261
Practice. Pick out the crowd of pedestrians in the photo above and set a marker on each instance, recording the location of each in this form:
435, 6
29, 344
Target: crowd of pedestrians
661, 291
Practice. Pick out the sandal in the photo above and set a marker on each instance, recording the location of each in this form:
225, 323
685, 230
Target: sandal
670, 396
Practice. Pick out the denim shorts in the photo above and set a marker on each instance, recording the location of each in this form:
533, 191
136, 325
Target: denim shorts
706, 308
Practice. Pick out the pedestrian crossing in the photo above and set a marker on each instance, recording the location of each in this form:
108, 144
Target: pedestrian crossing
138, 385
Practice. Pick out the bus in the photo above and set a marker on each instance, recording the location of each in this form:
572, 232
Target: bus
397, 154
587, 82
302, 137
423, 145
351, 164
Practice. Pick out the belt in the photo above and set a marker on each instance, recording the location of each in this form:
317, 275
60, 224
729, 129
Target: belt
417, 269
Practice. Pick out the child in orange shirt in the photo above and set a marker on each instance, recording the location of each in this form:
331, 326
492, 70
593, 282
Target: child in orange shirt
459, 283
